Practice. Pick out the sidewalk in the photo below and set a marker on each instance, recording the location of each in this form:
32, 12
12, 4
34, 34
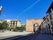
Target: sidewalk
44, 37
4, 35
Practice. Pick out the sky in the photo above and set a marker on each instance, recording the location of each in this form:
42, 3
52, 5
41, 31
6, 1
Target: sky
24, 9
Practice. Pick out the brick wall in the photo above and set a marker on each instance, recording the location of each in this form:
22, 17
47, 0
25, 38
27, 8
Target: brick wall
30, 23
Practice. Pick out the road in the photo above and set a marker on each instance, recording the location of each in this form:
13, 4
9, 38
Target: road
9, 34
35, 36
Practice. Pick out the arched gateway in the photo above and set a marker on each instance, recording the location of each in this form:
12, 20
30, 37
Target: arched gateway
35, 27
33, 24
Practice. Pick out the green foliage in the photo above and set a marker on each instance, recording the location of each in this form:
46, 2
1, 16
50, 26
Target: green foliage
20, 28
0, 25
4, 25
12, 27
8, 28
15, 28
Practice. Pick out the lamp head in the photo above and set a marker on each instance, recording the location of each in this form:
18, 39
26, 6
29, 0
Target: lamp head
0, 9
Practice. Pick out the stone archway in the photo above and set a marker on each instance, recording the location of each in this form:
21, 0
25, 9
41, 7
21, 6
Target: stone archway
35, 27
30, 24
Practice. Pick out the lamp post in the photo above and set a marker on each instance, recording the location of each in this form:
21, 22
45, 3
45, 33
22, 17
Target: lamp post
0, 9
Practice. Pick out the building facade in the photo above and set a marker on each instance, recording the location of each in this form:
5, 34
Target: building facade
30, 24
49, 18
14, 23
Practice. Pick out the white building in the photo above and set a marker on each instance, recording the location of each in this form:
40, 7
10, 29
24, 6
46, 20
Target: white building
14, 23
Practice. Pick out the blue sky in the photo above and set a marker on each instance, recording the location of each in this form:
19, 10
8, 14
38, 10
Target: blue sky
24, 9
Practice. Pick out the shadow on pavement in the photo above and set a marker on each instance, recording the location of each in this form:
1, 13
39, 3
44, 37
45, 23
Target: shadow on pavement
26, 37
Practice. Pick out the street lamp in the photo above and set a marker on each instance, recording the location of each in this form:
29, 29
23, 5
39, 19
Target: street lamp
0, 9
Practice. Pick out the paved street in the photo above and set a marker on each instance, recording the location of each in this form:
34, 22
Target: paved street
9, 34
38, 36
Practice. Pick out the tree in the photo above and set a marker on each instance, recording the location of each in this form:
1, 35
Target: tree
22, 28
0, 25
12, 27
4, 25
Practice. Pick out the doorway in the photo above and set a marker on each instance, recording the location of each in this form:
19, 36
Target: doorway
35, 27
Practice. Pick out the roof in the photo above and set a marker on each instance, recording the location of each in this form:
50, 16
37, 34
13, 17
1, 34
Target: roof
49, 9
44, 18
